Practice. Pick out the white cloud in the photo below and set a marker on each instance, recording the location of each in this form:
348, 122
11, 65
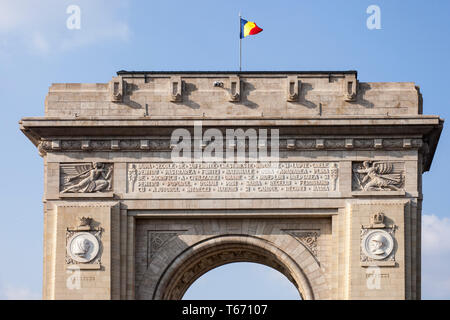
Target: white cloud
41, 26
14, 14
40, 43
435, 257
14, 293
436, 234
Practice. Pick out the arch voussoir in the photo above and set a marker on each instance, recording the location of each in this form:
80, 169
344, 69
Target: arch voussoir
189, 264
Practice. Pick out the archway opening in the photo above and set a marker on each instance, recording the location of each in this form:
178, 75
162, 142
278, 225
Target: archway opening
193, 262
242, 281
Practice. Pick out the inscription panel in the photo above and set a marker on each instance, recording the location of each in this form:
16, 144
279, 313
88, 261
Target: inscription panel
231, 179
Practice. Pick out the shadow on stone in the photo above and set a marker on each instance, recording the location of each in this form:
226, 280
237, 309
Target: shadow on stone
306, 87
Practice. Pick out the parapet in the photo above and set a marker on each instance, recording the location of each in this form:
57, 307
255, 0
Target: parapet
220, 94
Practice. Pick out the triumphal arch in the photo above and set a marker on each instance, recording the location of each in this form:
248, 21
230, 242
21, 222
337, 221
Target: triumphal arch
154, 178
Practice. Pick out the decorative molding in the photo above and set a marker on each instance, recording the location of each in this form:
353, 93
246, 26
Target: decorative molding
71, 145
116, 89
43, 147
115, 144
86, 177
376, 221
304, 144
364, 143
391, 143
320, 143
78, 204
130, 145
334, 175
235, 89
176, 89
144, 145
85, 223
132, 177
157, 239
333, 144
122, 145
85, 144
407, 143
349, 143
56, 144
212, 260
350, 86
378, 143
308, 238
293, 89
290, 143
101, 145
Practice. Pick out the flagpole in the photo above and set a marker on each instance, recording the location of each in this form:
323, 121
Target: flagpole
240, 44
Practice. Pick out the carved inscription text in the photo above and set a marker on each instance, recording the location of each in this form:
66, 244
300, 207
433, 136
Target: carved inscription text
232, 177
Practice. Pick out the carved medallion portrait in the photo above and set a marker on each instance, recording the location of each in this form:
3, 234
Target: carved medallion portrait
83, 247
377, 244
83, 243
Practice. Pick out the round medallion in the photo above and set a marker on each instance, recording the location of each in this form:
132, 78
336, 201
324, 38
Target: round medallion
83, 247
377, 244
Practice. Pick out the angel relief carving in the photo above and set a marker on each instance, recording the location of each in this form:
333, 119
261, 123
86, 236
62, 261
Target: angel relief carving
378, 175
86, 178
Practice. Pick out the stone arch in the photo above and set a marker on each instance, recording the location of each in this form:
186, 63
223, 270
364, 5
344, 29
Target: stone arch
170, 277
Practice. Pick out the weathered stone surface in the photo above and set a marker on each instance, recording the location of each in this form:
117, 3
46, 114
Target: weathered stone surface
338, 213
232, 179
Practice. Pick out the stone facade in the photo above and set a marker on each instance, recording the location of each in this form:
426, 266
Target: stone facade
339, 215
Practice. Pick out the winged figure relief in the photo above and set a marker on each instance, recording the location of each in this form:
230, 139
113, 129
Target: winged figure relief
95, 177
377, 175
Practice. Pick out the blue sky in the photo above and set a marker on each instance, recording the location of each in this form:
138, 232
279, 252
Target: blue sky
37, 49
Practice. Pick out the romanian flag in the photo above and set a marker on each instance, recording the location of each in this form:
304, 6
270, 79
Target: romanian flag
249, 28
